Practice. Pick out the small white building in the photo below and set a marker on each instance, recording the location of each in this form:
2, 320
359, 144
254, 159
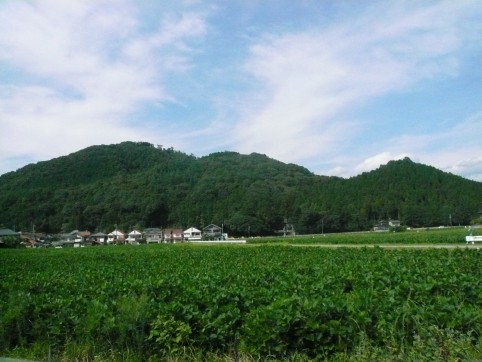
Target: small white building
192, 234
134, 237
393, 223
116, 236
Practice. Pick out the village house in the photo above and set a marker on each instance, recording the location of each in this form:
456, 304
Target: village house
75, 238
393, 223
5, 235
213, 232
134, 237
192, 234
172, 235
98, 238
84, 235
27, 241
153, 235
384, 225
116, 236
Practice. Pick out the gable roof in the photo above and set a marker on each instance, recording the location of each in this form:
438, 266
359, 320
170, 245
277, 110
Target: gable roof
152, 231
192, 230
98, 235
7, 232
173, 230
212, 228
116, 233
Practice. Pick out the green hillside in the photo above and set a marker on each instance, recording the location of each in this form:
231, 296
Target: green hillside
139, 185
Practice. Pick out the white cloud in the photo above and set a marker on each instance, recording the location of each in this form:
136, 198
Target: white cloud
44, 124
456, 149
308, 80
80, 70
375, 161
84, 72
470, 168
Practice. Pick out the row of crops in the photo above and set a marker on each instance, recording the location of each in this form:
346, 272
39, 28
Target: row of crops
240, 302
455, 235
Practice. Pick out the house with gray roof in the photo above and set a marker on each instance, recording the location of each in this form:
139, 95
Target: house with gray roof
7, 235
153, 235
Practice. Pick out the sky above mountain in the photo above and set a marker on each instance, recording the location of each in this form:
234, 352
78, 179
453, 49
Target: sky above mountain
339, 87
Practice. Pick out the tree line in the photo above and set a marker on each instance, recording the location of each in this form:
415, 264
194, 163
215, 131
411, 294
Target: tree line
138, 184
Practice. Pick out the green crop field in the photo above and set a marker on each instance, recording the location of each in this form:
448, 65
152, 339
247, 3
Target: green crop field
227, 303
454, 235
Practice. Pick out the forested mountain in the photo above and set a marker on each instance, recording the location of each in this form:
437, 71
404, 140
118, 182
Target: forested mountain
139, 185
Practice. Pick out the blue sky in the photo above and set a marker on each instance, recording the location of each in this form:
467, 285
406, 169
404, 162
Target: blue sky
339, 87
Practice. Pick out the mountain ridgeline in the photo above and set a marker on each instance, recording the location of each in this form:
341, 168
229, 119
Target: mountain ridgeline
139, 185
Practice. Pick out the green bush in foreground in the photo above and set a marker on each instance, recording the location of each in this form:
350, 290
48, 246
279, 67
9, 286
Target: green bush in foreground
184, 302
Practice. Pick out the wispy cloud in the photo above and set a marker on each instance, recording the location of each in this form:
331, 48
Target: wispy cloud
377, 160
83, 69
309, 81
456, 149
205, 78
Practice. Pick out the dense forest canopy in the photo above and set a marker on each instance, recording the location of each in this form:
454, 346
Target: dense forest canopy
140, 185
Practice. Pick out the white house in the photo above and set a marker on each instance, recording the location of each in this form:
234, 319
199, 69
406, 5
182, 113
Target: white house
192, 234
134, 237
116, 236
394, 223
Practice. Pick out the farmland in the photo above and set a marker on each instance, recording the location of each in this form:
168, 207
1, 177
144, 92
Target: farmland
239, 302
455, 235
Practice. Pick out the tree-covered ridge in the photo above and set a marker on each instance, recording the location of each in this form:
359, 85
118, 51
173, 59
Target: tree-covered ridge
137, 184
419, 195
